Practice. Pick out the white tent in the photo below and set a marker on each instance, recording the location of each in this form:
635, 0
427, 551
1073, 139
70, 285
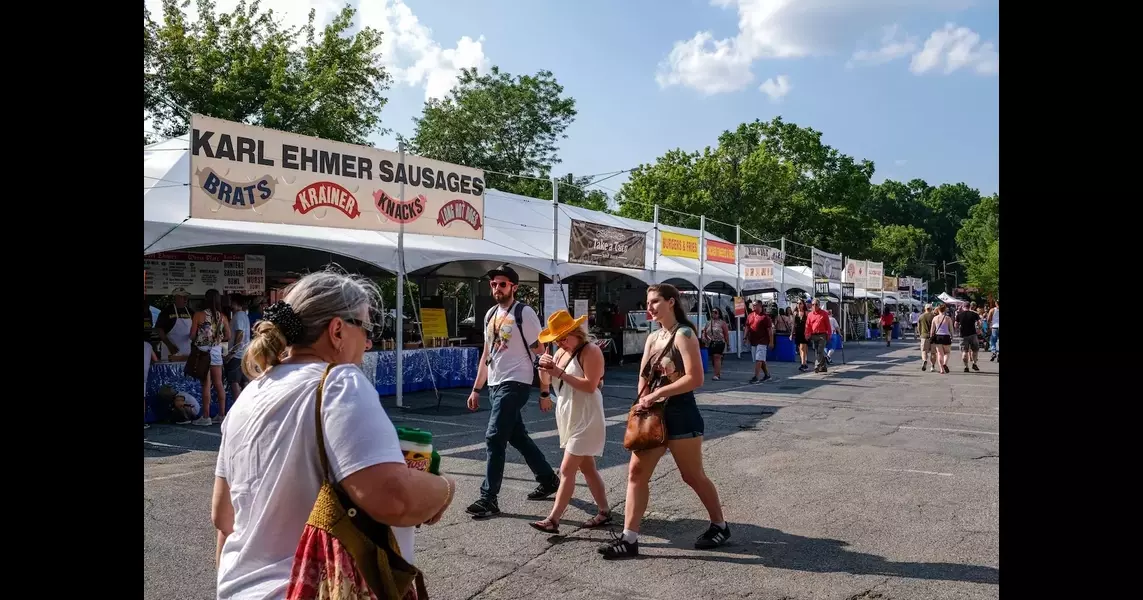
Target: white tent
518, 230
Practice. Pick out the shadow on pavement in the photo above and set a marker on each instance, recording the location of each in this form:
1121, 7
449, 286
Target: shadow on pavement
770, 547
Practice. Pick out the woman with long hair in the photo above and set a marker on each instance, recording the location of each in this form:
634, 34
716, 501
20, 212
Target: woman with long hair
577, 375
799, 335
270, 468
671, 358
211, 328
715, 334
941, 332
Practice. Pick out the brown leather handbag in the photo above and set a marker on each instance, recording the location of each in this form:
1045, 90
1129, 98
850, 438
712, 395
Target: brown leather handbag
647, 428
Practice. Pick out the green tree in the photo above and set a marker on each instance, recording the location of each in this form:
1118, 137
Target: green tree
499, 123
775, 178
978, 243
244, 66
903, 249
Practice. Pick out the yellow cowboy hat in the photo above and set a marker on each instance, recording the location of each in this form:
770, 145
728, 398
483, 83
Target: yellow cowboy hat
560, 323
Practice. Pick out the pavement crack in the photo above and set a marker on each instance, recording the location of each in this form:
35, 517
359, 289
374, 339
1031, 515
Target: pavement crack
989, 455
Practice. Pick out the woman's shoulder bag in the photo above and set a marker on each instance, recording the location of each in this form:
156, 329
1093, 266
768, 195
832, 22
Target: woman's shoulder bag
343, 554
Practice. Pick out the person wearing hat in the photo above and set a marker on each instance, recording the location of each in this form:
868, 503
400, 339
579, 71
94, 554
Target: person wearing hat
577, 376
511, 332
175, 325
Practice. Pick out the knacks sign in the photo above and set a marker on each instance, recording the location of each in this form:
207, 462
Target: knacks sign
245, 173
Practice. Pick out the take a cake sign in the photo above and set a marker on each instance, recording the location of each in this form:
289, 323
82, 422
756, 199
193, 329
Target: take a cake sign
245, 173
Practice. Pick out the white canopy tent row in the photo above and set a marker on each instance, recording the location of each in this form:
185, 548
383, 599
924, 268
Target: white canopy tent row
518, 230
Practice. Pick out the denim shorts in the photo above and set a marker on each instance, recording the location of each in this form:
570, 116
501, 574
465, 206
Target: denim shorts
682, 417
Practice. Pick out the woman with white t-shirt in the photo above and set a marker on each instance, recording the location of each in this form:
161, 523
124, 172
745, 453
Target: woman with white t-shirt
269, 470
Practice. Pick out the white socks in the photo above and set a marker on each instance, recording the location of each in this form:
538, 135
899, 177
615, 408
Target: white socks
630, 536
721, 525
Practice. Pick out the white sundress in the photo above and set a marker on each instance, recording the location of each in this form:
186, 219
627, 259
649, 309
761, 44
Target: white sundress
579, 416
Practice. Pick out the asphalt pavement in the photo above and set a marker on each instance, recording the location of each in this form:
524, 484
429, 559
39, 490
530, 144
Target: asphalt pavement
875, 480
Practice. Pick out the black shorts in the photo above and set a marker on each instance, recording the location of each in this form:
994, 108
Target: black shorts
942, 340
682, 417
717, 348
234, 372
800, 338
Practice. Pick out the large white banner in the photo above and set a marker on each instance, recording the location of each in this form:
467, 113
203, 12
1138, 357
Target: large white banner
855, 273
761, 264
244, 173
826, 265
873, 276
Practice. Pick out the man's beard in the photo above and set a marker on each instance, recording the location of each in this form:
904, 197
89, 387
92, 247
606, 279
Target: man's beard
502, 297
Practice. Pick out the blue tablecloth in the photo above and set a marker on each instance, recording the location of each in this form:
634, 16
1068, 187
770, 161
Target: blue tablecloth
834, 342
448, 367
171, 374
168, 373
705, 355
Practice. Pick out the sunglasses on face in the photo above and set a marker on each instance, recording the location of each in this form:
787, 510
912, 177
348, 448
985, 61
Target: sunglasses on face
499, 284
367, 327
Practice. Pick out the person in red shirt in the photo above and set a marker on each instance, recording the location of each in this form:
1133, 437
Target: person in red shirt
818, 330
887, 325
760, 335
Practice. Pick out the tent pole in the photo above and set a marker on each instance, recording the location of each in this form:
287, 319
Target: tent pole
400, 318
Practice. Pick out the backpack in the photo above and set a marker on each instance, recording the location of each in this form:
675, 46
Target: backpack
518, 314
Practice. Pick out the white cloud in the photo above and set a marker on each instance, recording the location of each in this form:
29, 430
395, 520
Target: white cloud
412, 55
900, 162
953, 48
778, 29
892, 48
408, 49
776, 88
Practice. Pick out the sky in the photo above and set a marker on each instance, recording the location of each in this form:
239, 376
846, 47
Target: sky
913, 85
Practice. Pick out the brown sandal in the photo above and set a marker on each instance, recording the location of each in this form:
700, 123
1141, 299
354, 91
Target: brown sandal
599, 520
546, 526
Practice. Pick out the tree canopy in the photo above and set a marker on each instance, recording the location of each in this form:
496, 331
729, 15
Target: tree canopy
245, 66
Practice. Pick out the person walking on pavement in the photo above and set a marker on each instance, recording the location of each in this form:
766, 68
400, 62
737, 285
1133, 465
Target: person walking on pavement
511, 332
799, 337
760, 335
941, 332
994, 328
969, 323
887, 325
924, 329
819, 331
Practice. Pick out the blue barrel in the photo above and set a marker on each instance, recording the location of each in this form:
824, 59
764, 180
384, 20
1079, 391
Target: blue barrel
705, 359
784, 350
896, 331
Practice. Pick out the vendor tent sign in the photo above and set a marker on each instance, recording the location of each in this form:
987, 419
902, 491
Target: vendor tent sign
604, 246
245, 173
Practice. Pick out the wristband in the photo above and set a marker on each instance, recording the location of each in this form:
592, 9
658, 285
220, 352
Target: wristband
545, 394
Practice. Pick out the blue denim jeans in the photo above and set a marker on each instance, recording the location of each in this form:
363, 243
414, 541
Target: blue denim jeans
995, 341
506, 426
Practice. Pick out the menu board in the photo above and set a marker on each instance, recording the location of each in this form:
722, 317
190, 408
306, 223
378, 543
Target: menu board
198, 272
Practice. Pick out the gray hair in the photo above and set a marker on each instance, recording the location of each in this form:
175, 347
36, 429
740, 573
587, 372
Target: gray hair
316, 299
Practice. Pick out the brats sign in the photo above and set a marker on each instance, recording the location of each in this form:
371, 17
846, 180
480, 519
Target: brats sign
245, 173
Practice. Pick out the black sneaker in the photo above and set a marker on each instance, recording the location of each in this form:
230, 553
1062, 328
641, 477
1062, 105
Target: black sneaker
974, 367
993, 359
766, 378
829, 359
804, 368
925, 366
714, 537
619, 549
544, 490
753, 380
483, 508
966, 369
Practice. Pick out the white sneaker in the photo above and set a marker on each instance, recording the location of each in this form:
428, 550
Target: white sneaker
203, 422
716, 378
